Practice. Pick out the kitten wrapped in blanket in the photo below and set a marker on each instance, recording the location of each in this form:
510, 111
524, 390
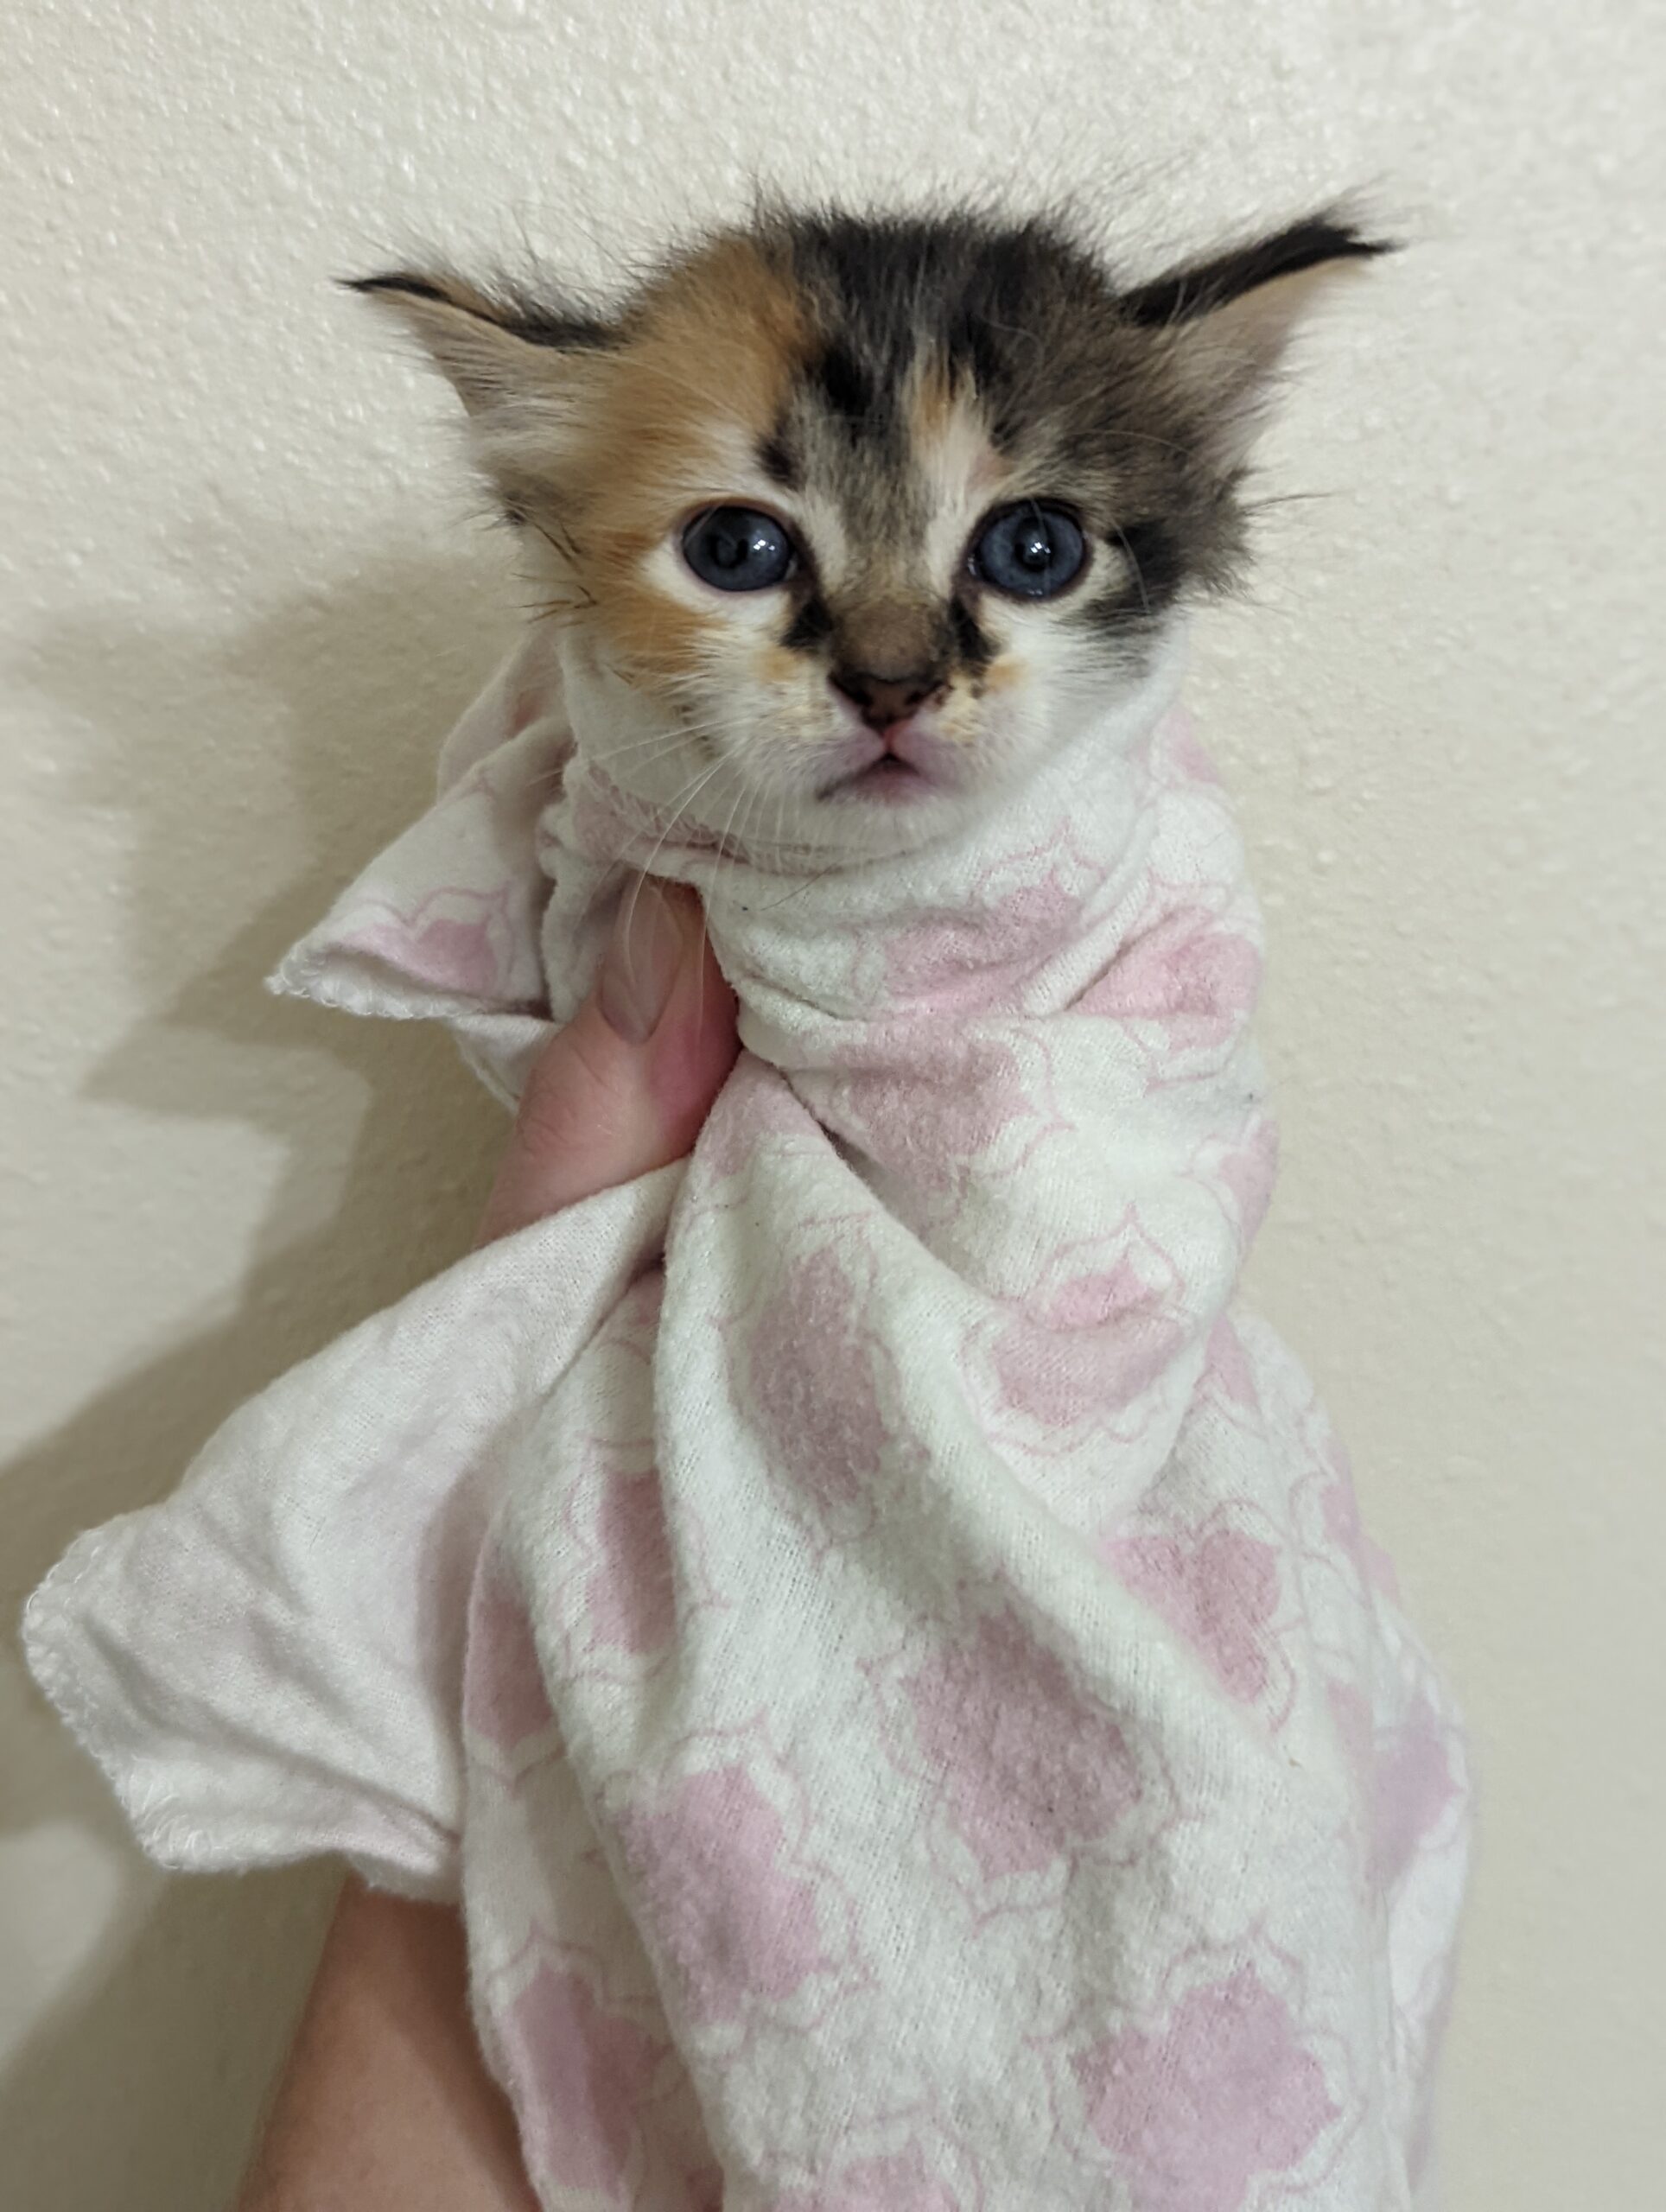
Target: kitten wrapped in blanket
880, 1644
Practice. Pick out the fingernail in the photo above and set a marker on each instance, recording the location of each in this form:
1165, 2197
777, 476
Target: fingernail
639, 968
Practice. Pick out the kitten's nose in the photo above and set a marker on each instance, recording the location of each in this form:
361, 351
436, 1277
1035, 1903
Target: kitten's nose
883, 699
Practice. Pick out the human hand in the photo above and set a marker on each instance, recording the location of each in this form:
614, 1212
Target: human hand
625, 1085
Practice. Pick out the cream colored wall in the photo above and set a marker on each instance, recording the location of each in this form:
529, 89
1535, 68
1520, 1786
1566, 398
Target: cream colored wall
242, 601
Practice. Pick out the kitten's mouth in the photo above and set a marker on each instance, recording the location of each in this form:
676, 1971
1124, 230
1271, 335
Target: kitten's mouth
888, 778
889, 772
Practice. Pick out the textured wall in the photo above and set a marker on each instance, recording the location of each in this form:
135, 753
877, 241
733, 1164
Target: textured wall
243, 596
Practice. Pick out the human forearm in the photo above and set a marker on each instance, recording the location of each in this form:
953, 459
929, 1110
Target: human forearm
386, 2102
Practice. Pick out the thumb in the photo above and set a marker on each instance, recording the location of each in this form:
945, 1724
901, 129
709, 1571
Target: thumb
625, 1087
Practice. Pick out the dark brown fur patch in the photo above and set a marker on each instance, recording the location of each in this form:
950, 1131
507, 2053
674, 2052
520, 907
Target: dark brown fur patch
1203, 286
1088, 393
1075, 395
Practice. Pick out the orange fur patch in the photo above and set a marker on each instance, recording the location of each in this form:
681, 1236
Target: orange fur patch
652, 634
696, 387
932, 401
777, 664
950, 437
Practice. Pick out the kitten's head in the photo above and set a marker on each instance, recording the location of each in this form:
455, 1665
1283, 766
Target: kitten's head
853, 520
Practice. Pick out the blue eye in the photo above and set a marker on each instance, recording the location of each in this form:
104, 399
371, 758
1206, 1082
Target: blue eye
737, 549
1031, 551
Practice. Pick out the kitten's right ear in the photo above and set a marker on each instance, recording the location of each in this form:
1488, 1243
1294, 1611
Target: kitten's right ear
1225, 323
499, 347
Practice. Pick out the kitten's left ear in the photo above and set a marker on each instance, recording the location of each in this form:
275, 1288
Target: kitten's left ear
498, 347
523, 367
1228, 322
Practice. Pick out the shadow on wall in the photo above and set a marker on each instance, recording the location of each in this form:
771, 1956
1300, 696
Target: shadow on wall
153, 2063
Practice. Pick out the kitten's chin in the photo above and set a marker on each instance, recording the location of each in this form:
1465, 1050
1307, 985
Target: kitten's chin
884, 782
885, 809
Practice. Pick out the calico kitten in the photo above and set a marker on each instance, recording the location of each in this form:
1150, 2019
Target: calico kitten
849, 520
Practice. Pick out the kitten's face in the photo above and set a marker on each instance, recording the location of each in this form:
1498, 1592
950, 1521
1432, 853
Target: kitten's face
848, 524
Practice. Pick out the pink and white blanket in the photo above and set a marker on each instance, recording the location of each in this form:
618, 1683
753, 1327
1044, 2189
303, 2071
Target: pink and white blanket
882, 1647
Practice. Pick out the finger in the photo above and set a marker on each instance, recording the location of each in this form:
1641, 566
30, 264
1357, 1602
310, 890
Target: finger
625, 1086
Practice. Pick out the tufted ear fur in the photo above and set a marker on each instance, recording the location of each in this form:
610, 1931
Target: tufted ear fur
1226, 322
522, 367
496, 345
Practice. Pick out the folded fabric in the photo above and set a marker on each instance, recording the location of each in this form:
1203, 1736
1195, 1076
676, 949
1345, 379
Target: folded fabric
882, 1647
